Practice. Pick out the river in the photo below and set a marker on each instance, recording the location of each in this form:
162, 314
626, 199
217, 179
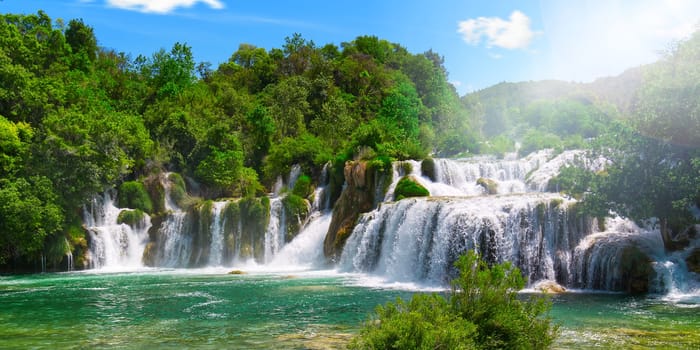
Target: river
208, 308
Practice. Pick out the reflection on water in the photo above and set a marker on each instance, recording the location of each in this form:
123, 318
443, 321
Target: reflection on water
209, 309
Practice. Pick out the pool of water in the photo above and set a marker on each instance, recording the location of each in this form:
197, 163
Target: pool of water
306, 310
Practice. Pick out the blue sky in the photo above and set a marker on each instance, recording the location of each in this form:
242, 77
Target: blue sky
483, 42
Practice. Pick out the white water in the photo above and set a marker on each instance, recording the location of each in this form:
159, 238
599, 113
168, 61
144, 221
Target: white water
305, 251
113, 245
216, 249
419, 239
414, 242
276, 229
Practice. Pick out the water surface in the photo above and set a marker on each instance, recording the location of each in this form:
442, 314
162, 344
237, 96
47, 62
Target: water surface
316, 310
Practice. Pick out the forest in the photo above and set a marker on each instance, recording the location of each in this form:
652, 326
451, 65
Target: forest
77, 119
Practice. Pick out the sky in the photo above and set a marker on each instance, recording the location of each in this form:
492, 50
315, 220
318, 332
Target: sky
483, 42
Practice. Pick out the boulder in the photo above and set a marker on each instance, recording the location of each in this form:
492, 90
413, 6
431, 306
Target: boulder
357, 197
693, 261
549, 287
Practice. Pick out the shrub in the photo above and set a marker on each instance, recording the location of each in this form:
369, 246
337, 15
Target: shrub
302, 187
408, 187
482, 311
133, 195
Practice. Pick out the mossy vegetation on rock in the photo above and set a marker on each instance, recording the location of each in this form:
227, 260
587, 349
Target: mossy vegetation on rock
297, 209
408, 186
693, 261
636, 270
357, 197
133, 195
130, 217
427, 169
489, 185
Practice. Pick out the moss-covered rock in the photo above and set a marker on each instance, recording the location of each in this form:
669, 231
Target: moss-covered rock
357, 197
489, 185
133, 195
427, 169
636, 270
302, 187
149, 254
693, 261
409, 187
297, 210
131, 217
178, 190
156, 192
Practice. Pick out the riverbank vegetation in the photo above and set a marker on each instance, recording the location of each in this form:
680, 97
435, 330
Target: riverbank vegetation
482, 311
77, 119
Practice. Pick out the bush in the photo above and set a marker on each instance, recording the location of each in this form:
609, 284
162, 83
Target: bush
408, 187
482, 311
302, 187
133, 195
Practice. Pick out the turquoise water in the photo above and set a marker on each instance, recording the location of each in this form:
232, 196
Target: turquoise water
210, 309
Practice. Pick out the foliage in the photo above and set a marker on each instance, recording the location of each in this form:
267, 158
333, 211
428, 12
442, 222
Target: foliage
482, 311
302, 187
28, 215
408, 187
133, 195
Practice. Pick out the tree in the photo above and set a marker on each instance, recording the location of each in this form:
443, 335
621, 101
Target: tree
28, 214
482, 311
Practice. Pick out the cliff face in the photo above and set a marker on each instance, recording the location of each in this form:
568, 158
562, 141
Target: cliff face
357, 197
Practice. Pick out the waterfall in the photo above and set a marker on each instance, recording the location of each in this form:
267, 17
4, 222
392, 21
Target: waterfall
306, 250
216, 250
276, 229
419, 239
113, 245
69, 257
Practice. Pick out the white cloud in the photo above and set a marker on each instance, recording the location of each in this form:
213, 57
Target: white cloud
597, 38
514, 33
161, 6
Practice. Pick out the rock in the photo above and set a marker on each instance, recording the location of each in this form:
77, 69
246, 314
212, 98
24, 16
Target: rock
357, 197
408, 186
489, 185
636, 270
237, 272
427, 169
549, 287
693, 261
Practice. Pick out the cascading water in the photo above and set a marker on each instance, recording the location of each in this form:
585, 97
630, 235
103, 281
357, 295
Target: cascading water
113, 245
216, 250
419, 239
274, 236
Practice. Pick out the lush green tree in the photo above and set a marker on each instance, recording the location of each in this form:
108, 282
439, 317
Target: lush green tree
28, 214
82, 41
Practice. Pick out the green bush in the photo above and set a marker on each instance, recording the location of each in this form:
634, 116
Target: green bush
482, 311
302, 187
133, 195
178, 190
408, 187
